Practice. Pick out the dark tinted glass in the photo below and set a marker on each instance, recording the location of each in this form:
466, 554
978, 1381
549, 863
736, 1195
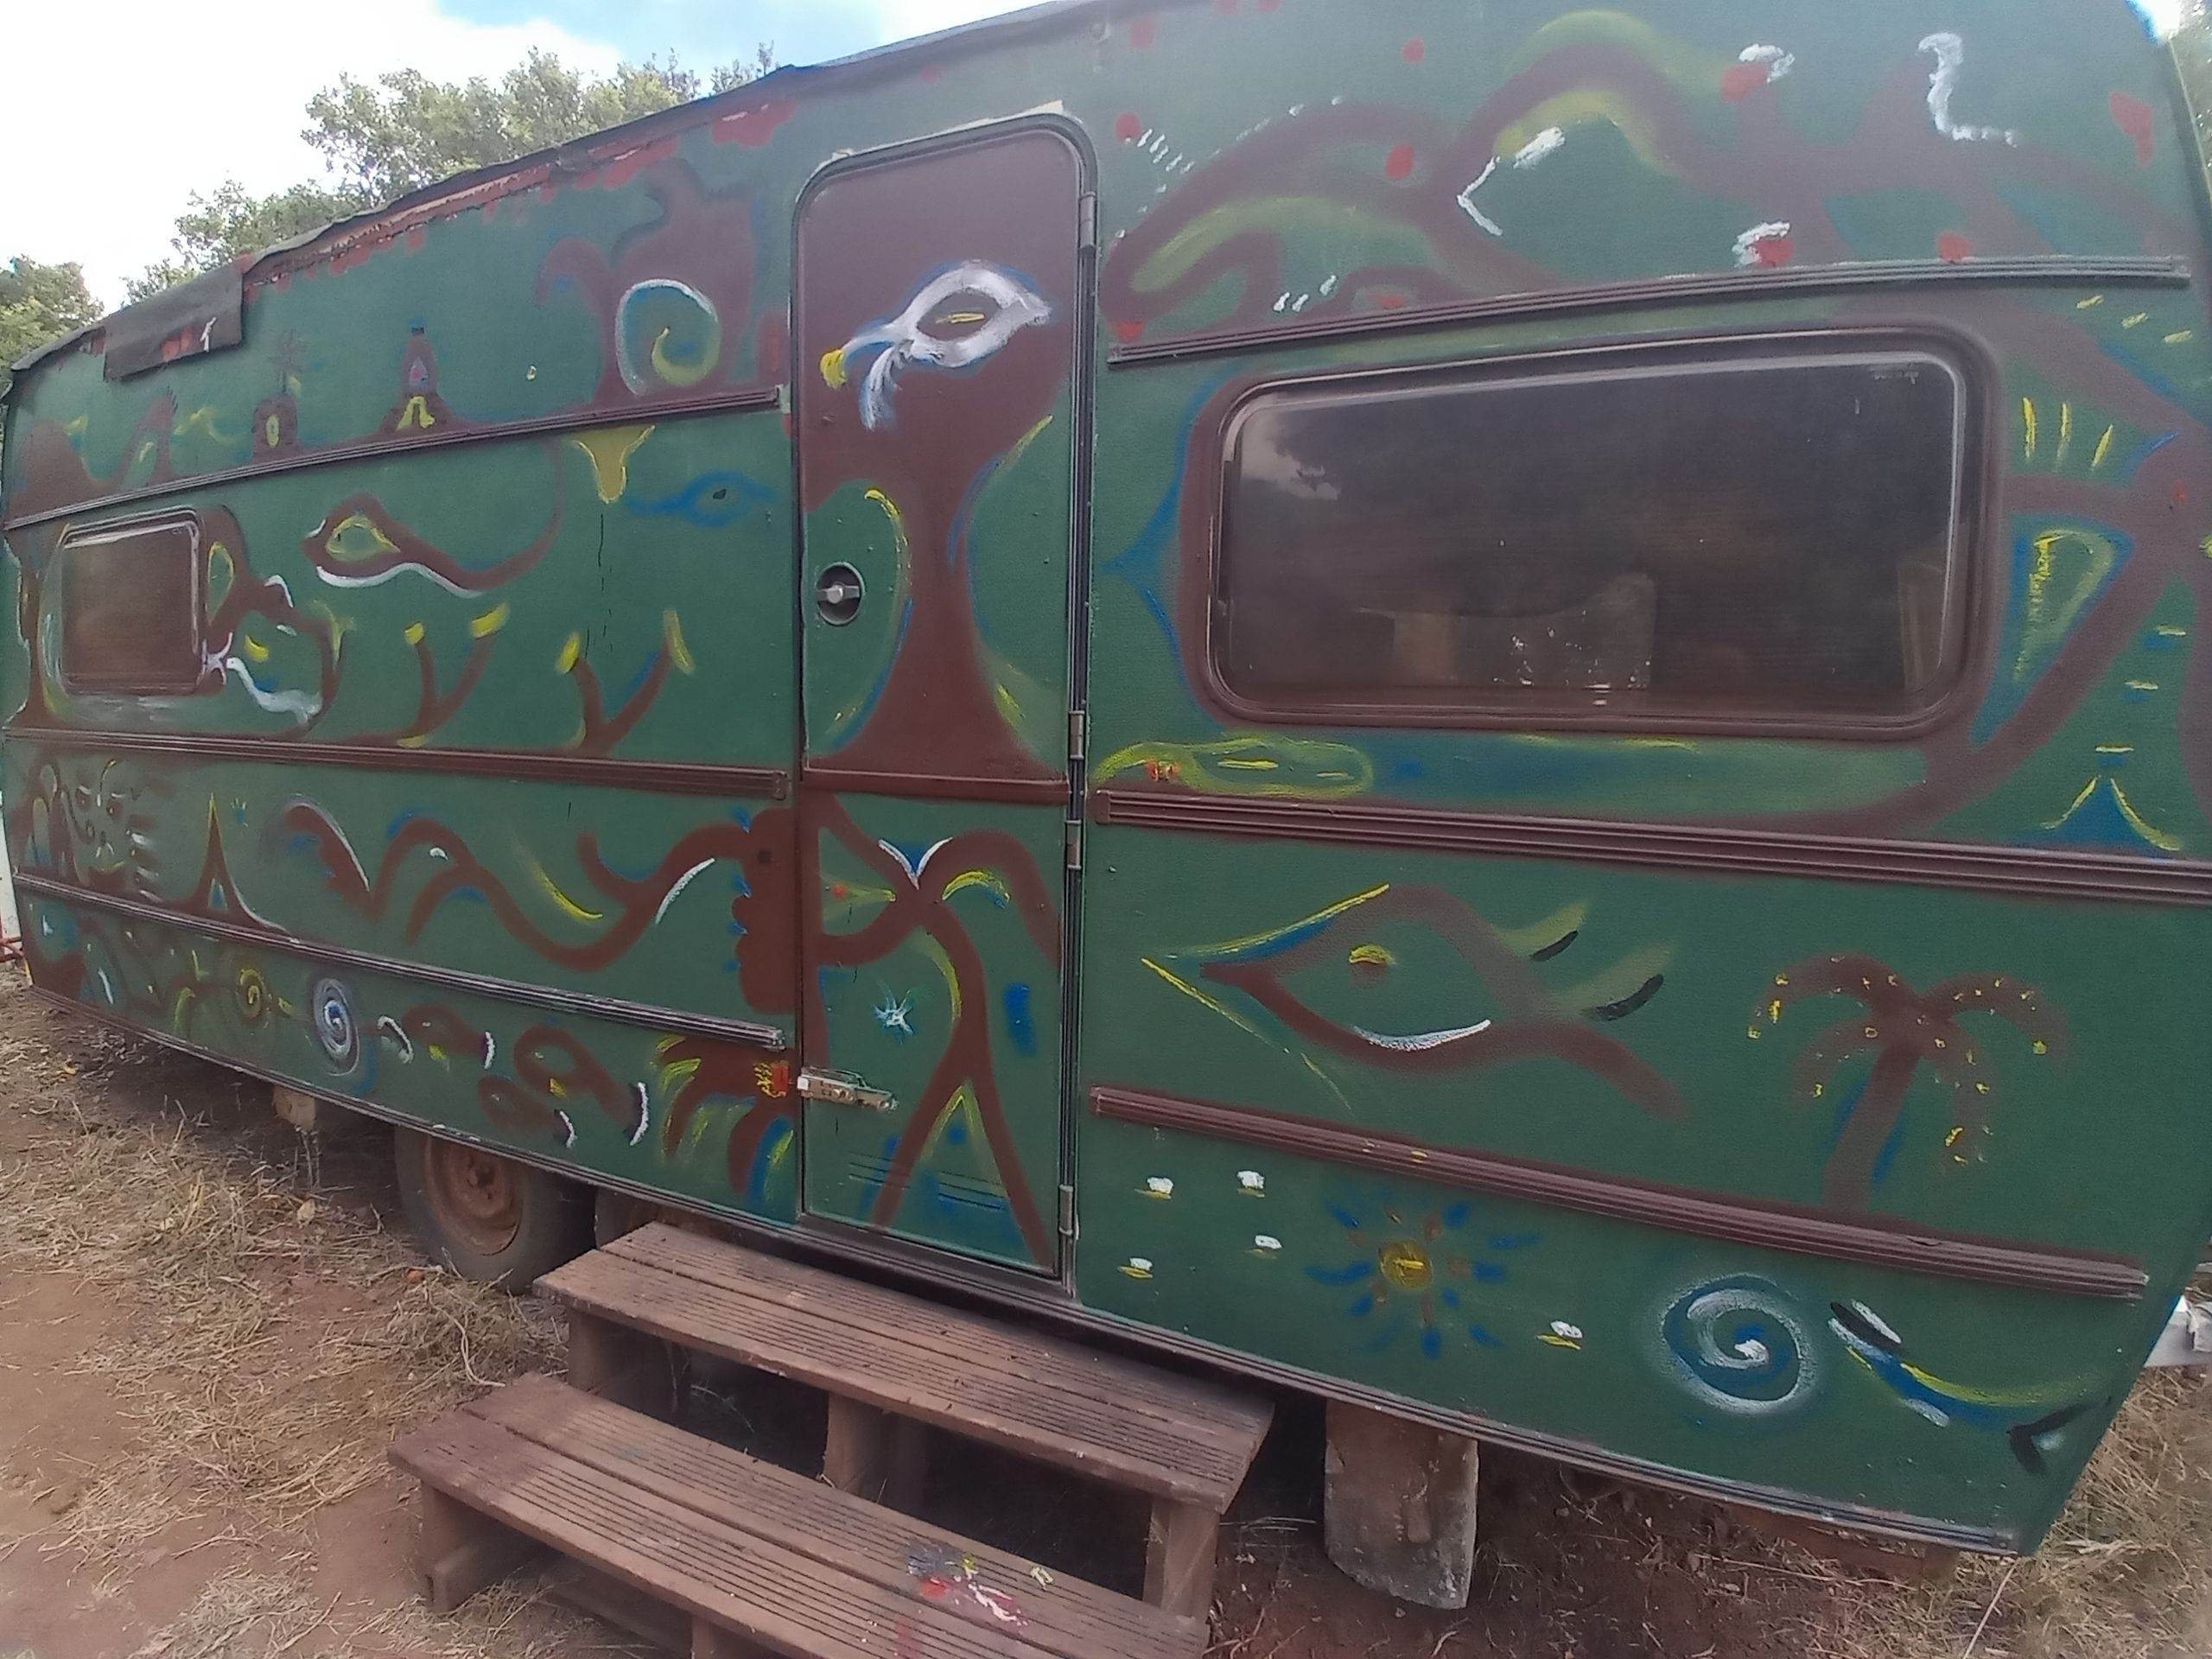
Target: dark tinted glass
130, 607
1753, 538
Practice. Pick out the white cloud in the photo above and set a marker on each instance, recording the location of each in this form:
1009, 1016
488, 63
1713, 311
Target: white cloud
2164, 15
180, 94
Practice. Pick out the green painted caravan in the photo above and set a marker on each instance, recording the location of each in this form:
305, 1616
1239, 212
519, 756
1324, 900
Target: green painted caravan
1491, 708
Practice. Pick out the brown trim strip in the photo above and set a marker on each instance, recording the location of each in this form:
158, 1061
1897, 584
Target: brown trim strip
947, 1277
2049, 873
584, 1003
661, 777
931, 786
2154, 272
1799, 1229
575, 420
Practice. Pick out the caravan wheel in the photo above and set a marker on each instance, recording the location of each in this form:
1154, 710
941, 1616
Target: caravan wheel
488, 1218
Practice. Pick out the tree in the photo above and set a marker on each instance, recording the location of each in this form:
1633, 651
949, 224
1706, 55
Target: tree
381, 140
2192, 48
39, 303
1904, 1030
215, 229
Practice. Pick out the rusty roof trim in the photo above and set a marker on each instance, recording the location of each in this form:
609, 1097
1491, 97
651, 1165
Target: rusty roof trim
463, 191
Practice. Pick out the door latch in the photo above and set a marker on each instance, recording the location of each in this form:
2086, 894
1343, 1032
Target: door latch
835, 1088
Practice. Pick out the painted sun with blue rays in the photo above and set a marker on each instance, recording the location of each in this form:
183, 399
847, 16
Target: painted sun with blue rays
1420, 1270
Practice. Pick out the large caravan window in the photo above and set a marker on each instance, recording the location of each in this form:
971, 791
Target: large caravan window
1729, 539
130, 606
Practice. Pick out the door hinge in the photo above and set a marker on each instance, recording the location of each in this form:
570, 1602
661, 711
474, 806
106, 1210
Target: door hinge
1067, 1212
1074, 827
1078, 727
1086, 221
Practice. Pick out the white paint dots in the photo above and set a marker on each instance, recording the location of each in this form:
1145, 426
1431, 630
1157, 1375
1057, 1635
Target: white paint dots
1544, 143
1778, 62
1267, 1245
1251, 1184
1950, 52
1158, 1187
1138, 1266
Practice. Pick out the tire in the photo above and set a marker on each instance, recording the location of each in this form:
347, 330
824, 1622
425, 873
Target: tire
486, 1217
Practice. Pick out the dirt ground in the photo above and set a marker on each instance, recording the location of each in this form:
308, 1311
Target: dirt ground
211, 1327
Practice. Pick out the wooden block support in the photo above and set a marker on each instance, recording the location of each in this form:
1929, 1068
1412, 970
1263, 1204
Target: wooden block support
459, 1551
877, 1455
618, 1363
1399, 1506
1179, 1552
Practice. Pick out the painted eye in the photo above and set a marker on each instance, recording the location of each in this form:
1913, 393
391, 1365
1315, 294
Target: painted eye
1462, 994
958, 320
965, 313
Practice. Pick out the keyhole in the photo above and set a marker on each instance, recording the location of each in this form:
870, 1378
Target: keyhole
837, 594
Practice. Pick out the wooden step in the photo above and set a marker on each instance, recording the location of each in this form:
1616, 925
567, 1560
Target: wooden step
747, 1550
1055, 1400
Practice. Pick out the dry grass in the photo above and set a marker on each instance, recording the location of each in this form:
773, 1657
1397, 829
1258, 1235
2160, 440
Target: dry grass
204, 1246
2122, 1576
250, 1615
275, 1341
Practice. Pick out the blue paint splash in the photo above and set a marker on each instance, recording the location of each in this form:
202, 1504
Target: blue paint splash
712, 500
1019, 1030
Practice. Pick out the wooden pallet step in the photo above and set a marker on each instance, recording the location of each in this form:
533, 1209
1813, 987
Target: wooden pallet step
1049, 1399
756, 1551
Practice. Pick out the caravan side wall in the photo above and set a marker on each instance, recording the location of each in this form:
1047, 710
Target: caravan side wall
1645, 882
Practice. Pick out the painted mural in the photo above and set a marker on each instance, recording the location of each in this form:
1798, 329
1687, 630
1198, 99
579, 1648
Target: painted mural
642, 598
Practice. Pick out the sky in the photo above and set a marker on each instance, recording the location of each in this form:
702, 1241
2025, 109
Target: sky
180, 94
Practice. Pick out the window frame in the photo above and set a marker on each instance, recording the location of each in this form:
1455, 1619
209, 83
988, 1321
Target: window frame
1966, 646
146, 683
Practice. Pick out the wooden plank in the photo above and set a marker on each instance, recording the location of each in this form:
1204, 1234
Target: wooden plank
616, 1362
1180, 1546
585, 1587
889, 1317
1128, 1384
1058, 1401
805, 1516
1029, 1416
735, 1579
458, 1552
874, 1455
707, 1643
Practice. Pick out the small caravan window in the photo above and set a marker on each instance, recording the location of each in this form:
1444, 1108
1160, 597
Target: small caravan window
1727, 539
130, 606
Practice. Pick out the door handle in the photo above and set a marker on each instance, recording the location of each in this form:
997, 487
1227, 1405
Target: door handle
837, 594
835, 1088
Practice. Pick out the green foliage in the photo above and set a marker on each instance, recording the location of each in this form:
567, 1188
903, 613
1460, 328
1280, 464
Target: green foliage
382, 139
406, 130
38, 303
219, 226
2192, 48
